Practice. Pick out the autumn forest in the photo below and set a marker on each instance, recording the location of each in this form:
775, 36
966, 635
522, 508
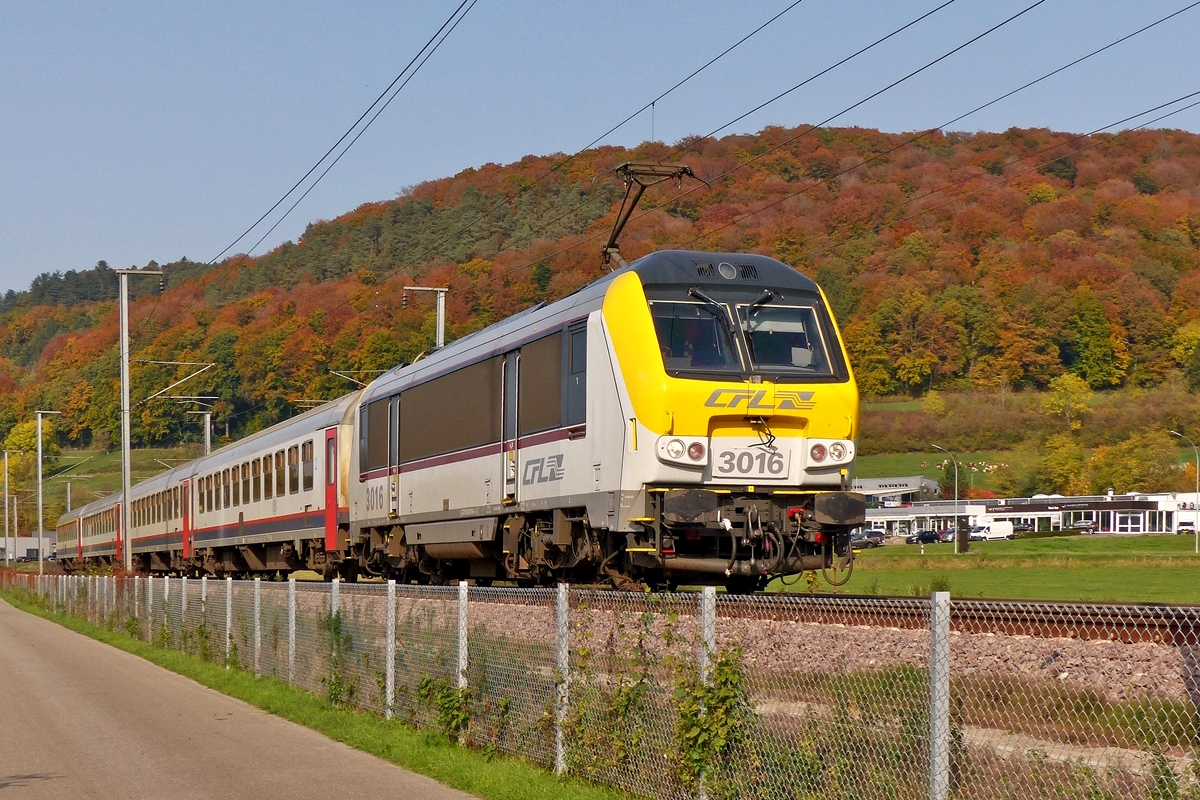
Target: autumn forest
1032, 289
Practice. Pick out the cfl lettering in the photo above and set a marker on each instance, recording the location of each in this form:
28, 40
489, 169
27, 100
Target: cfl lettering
784, 399
543, 470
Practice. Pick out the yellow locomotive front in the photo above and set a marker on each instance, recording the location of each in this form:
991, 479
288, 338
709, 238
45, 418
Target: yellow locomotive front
743, 419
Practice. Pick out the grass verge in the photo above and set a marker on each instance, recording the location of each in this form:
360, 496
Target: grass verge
427, 753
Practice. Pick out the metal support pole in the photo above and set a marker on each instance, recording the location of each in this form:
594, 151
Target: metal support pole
563, 667
228, 621
8, 556
40, 529
954, 461
463, 663
207, 433
291, 630
126, 476
1196, 496
939, 697
389, 668
257, 625
441, 319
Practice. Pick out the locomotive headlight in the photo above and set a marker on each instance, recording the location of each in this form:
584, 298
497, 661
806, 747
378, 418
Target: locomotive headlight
696, 451
675, 448
837, 451
817, 453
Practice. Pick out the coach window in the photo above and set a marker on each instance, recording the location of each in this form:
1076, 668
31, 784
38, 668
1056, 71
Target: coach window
236, 482
255, 480
245, 483
268, 478
576, 404
217, 490
306, 462
177, 494
539, 386
200, 495
330, 461
280, 475
293, 456
225, 487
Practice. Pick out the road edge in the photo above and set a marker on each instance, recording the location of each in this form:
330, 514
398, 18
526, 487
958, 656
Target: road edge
423, 752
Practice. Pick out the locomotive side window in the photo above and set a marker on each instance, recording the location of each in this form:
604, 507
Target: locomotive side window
539, 386
268, 478
255, 482
280, 475
293, 458
306, 461
378, 413
575, 411
454, 412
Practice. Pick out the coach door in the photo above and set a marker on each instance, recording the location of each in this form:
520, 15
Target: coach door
331, 498
511, 458
394, 456
185, 514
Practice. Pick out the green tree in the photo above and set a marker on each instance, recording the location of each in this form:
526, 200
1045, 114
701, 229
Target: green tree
1145, 462
1062, 467
379, 352
1069, 397
23, 437
1101, 355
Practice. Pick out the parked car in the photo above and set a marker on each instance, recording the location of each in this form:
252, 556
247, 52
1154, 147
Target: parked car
875, 535
1083, 526
1186, 527
860, 541
1022, 527
976, 533
946, 535
923, 537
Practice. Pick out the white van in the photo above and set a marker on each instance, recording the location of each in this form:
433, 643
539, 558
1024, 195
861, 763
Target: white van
1000, 529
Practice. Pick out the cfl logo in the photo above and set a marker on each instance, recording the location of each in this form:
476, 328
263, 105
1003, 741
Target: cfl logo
784, 399
543, 470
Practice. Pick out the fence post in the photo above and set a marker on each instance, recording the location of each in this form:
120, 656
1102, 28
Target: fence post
228, 620
149, 608
137, 607
182, 604
334, 597
708, 647
563, 666
389, 691
462, 635
257, 624
166, 602
939, 697
291, 630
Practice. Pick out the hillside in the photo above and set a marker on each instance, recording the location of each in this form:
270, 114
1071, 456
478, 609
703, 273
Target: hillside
982, 263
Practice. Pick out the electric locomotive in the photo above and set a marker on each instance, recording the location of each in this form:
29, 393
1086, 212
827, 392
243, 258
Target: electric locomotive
689, 418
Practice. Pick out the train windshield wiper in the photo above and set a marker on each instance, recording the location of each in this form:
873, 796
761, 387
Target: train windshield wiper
718, 310
766, 297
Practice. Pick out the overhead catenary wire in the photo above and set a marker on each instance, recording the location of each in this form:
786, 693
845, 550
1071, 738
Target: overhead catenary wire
449, 20
877, 156
791, 139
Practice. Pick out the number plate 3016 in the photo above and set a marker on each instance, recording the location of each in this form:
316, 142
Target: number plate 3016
750, 462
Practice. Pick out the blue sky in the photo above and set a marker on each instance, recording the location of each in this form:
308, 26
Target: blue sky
132, 131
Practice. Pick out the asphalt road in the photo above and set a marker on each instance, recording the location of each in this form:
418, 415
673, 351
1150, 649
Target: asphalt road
80, 719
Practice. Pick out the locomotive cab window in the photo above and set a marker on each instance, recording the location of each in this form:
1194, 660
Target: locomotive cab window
694, 337
784, 339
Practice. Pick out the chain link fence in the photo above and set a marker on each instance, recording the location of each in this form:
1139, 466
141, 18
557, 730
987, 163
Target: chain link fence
713, 695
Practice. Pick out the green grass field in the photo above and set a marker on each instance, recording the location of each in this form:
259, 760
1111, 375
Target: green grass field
1144, 569
896, 465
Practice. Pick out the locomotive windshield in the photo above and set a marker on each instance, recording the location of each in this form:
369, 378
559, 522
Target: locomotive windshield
784, 339
695, 337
